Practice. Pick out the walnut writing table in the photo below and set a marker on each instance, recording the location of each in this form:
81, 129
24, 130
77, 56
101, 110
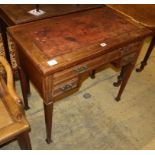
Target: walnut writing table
55, 53
143, 14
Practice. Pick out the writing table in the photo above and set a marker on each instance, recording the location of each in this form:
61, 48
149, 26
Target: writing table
56, 53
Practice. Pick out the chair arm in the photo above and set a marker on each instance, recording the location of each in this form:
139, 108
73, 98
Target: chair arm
10, 82
16, 109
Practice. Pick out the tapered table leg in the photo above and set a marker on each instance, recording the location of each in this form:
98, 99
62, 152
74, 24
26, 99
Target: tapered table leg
48, 112
149, 51
127, 72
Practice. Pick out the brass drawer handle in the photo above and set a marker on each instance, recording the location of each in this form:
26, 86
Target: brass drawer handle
81, 69
66, 87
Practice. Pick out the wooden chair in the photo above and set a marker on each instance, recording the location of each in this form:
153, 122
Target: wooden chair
13, 124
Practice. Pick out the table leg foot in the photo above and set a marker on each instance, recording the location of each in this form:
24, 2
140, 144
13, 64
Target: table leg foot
92, 74
48, 141
26, 107
117, 84
141, 68
117, 99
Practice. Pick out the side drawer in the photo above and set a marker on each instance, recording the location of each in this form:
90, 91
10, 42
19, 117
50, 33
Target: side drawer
124, 60
128, 54
65, 87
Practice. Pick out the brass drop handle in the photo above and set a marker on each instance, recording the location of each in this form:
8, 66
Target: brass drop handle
81, 69
66, 87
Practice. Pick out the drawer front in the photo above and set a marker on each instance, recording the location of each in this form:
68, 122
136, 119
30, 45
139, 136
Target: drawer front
128, 58
85, 67
130, 48
125, 60
128, 54
65, 87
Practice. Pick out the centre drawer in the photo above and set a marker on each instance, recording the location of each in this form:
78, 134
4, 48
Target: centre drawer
85, 67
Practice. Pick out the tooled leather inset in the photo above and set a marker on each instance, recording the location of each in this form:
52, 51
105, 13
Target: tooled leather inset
65, 34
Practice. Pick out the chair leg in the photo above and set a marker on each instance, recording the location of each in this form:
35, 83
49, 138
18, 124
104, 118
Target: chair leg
24, 141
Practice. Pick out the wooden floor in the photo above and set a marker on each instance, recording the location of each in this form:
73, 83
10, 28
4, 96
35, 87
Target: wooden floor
91, 119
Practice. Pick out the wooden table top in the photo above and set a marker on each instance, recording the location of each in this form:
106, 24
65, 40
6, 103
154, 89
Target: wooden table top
18, 13
75, 37
141, 13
